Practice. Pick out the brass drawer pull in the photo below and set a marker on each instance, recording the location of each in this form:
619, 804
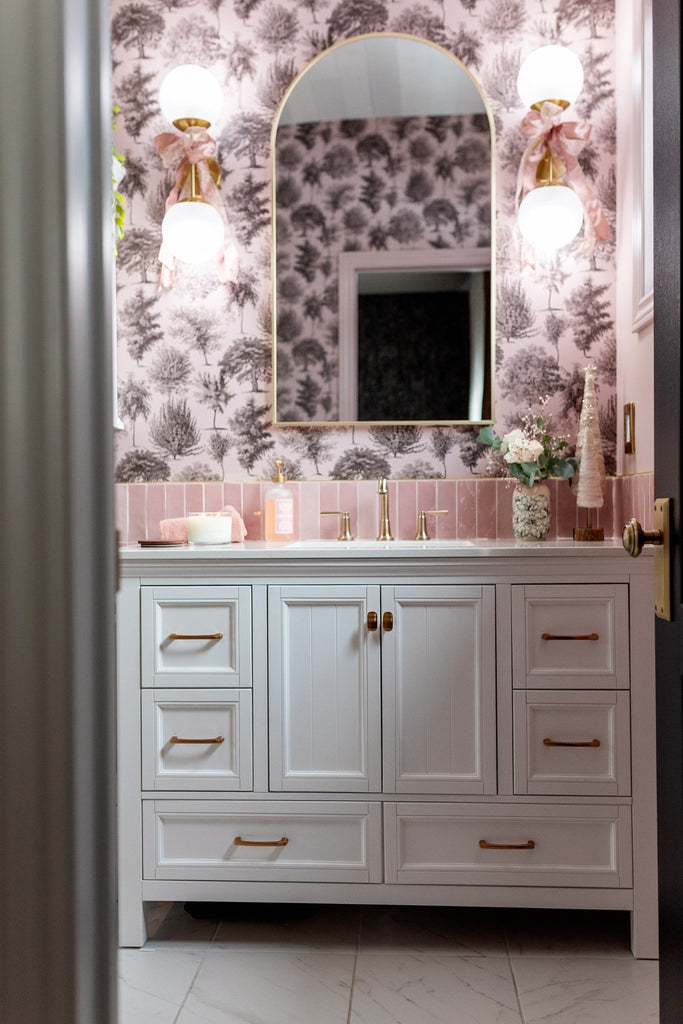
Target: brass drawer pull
195, 636
387, 622
372, 621
529, 845
563, 636
180, 739
571, 743
238, 841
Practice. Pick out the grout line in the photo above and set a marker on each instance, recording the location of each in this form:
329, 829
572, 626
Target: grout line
513, 977
355, 965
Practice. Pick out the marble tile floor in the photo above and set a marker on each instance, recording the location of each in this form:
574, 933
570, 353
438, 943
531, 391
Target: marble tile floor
384, 965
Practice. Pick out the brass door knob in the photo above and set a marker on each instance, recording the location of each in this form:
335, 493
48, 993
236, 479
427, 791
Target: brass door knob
634, 537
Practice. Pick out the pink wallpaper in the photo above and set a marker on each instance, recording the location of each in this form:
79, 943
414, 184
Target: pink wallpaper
194, 373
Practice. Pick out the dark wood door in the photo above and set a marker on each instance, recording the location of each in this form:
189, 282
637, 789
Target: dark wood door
669, 635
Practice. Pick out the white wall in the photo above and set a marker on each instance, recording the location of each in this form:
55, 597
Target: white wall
635, 353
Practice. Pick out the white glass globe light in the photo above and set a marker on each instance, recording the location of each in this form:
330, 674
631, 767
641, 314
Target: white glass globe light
189, 91
550, 216
193, 231
550, 73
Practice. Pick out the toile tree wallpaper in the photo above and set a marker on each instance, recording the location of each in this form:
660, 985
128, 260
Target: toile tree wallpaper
194, 362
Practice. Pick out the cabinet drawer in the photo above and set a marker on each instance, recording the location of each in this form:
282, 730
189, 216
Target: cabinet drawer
196, 636
292, 842
570, 637
542, 844
572, 742
196, 739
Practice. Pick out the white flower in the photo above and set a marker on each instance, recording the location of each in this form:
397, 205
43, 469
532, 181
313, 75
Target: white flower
511, 438
521, 449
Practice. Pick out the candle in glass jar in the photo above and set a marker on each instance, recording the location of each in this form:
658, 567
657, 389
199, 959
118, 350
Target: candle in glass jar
209, 528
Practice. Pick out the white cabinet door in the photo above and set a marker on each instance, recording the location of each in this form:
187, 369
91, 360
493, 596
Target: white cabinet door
324, 689
439, 699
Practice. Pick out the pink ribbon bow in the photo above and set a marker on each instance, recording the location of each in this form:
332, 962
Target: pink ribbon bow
565, 140
194, 146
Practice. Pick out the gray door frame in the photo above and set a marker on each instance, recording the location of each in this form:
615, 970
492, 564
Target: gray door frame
57, 552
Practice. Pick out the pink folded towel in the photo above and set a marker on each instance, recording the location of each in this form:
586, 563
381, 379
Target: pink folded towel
176, 529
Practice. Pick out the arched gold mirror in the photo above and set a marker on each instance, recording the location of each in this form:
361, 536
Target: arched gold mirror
382, 239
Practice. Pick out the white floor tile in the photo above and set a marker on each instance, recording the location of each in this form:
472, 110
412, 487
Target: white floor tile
433, 989
457, 930
270, 988
153, 984
587, 990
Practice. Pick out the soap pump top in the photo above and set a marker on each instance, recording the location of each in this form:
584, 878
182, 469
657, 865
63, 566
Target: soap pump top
279, 477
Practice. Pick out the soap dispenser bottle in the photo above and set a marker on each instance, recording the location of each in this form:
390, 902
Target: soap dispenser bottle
279, 509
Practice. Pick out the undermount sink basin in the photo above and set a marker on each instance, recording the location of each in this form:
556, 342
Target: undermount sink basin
374, 545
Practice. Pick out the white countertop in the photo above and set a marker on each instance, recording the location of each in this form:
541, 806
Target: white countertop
369, 549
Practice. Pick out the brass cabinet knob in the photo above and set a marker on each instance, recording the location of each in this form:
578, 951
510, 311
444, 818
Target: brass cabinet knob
387, 622
634, 537
372, 621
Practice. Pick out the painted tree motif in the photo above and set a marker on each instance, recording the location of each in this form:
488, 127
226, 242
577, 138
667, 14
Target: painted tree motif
134, 402
170, 371
137, 25
141, 324
137, 101
249, 360
251, 434
212, 391
174, 430
141, 466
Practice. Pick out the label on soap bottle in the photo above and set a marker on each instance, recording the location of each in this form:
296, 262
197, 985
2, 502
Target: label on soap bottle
284, 515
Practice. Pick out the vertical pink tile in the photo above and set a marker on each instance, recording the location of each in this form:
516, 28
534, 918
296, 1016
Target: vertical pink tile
427, 494
503, 496
156, 509
605, 515
465, 515
403, 508
232, 495
368, 509
486, 510
121, 512
252, 509
565, 520
137, 512
175, 501
324, 498
297, 488
348, 502
194, 497
213, 496
446, 497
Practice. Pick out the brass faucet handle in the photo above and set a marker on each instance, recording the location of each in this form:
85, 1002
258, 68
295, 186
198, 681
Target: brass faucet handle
344, 525
422, 521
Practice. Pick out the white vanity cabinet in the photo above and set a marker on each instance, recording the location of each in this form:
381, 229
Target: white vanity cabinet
382, 689
418, 725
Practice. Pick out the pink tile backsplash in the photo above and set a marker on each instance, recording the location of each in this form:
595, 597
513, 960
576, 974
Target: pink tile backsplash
477, 508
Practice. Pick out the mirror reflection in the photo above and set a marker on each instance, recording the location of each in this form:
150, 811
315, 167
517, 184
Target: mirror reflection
382, 239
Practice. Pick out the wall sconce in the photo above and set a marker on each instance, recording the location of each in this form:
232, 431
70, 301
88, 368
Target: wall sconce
194, 228
555, 196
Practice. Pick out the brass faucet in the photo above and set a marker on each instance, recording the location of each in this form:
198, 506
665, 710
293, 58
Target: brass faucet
384, 524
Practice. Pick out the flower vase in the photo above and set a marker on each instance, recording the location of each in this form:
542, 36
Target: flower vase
531, 512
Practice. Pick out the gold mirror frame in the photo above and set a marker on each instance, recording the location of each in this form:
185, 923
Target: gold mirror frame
335, 424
